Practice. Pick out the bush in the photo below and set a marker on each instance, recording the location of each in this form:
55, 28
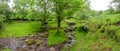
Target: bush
2, 19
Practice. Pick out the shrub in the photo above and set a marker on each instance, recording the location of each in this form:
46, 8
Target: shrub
2, 18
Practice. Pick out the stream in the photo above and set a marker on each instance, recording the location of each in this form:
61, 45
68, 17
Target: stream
19, 44
69, 33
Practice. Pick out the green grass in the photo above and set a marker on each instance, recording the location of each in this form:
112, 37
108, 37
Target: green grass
95, 40
19, 29
54, 24
55, 39
6, 50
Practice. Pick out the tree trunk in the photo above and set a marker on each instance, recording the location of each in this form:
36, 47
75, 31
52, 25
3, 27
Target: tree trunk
45, 16
59, 23
58, 19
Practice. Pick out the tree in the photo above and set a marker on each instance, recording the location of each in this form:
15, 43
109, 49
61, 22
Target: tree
20, 9
66, 7
116, 6
5, 9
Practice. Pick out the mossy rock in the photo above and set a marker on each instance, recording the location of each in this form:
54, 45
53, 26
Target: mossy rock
33, 36
29, 41
43, 35
38, 42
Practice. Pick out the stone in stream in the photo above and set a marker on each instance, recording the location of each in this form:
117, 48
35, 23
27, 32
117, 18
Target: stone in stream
70, 29
14, 43
43, 35
68, 45
71, 41
52, 49
32, 36
38, 42
70, 36
71, 23
32, 47
24, 46
29, 41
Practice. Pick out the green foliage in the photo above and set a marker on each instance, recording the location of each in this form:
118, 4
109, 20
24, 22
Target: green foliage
4, 9
56, 39
29, 9
20, 29
6, 50
67, 8
117, 5
2, 18
54, 24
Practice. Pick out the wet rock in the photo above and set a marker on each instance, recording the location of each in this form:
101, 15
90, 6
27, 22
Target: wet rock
52, 49
29, 41
69, 35
24, 46
14, 44
22, 38
65, 30
43, 35
71, 24
70, 29
38, 42
32, 36
32, 47
68, 45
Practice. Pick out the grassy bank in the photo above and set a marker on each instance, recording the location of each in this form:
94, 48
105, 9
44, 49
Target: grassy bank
19, 29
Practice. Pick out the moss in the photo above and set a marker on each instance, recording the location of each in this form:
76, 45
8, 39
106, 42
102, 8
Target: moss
38, 42
29, 41
6, 49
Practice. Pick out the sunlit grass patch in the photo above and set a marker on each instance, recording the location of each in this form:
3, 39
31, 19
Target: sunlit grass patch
55, 39
6, 49
54, 24
20, 29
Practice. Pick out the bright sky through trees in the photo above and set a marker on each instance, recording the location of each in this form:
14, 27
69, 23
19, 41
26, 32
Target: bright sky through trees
100, 4
11, 3
95, 4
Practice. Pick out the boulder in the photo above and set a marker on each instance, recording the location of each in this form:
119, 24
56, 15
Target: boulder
29, 41
38, 42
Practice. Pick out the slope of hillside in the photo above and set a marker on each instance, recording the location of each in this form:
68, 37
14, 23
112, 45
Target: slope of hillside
100, 33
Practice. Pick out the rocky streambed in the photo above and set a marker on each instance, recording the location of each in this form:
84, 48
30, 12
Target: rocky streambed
36, 42
31, 43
